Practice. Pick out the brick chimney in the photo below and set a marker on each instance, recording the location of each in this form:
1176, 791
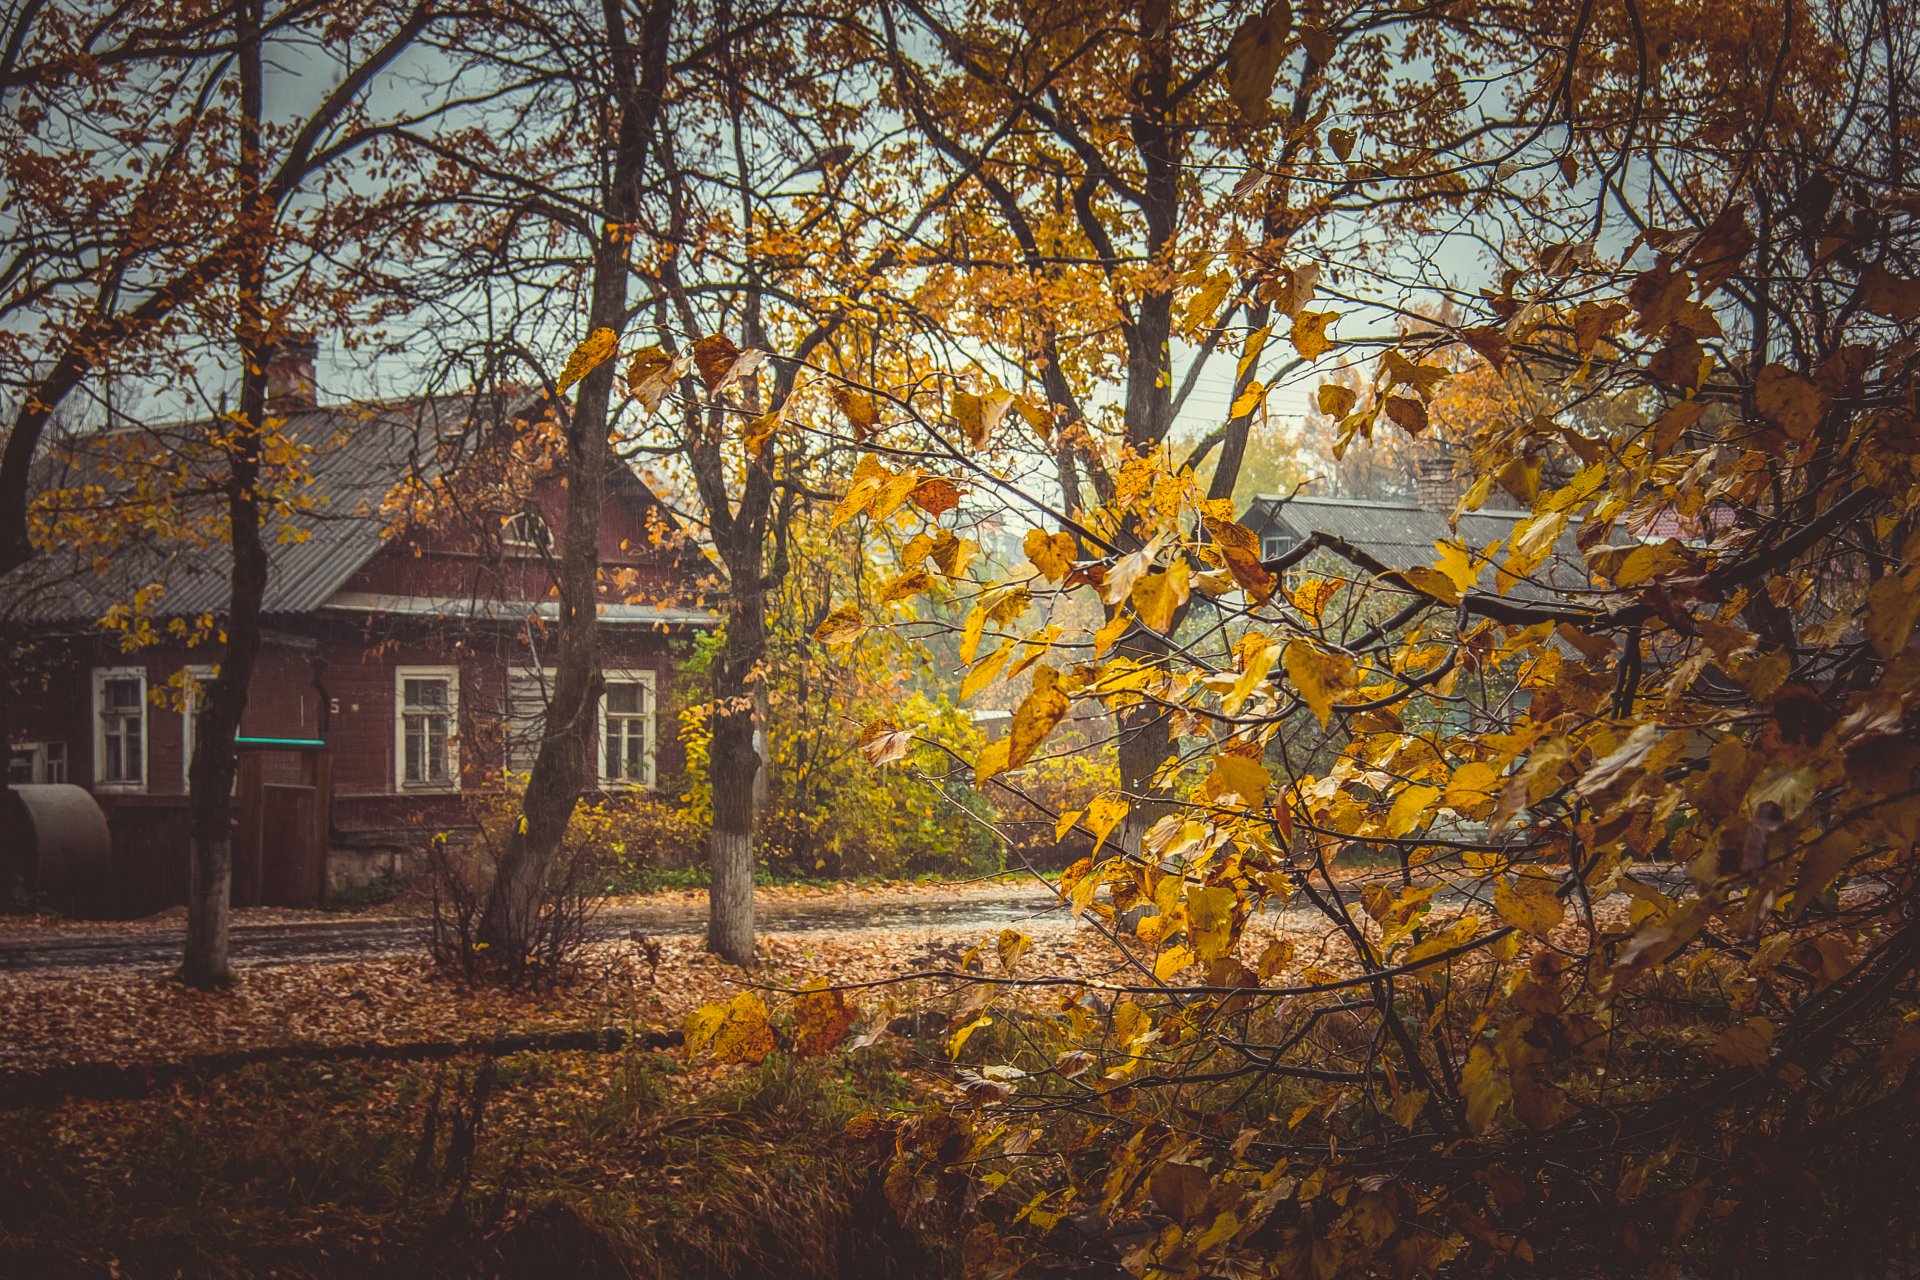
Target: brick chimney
1436, 486
290, 379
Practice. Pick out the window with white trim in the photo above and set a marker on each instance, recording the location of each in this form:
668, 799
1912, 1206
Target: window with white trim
526, 531
192, 698
426, 715
29, 762
529, 691
1275, 545
626, 729
120, 729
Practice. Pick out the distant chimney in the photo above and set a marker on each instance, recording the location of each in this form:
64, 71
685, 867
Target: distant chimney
290, 379
1436, 485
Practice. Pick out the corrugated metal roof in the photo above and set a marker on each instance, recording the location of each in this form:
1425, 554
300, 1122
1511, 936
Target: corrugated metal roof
1402, 534
356, 454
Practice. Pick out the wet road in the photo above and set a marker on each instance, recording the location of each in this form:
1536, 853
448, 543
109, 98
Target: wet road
349, 939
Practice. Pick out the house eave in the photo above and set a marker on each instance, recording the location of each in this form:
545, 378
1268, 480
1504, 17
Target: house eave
476, 610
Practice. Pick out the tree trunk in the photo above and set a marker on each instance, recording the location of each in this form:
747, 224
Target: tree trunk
733, 766
563, 767
210, 773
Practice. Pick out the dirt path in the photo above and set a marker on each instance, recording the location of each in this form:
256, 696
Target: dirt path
150, 943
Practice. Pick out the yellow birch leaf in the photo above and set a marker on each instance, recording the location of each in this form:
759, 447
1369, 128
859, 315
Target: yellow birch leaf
1309, 336
594, 350
1248, 400
1051, 553
1158, 596
1036, 716
1257, 656
1529, 902
1457, 563
1103, 815
842, 626
960, 1037
821, 1018
1109, 634
1317, 676
984, 671
991, 762
1409, 807
1336, 401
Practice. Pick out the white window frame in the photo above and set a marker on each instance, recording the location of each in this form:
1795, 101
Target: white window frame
1268, 551
39, 759
133, 786
544, 677
511, 534
647, 680
194, 678
400, 677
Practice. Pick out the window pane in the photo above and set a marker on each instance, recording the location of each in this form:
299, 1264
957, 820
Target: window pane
526, 718
628, 699
20, 765
636, 760
122, 694
426, 693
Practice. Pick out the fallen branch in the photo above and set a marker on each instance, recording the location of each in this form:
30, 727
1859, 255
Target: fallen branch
106, 1080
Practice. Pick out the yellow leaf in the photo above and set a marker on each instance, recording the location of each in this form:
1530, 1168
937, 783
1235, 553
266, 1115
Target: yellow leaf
1210, 921
1336, 401
859, 409
1171, 961
1311, 597
1036, 716
1473, 786
1012, 945
1241, 548
1432, 582
1248, 400
1052, 554
1485, 1088
1649, 561
1893, 607
821, 1017
961, 1036
1257, 656
736, 1031
991, 762
983, 671
1309, 336
1103, 815
842, 626
1409, 807
1529, 902
1317, 676
592, 352
1745, 1044
1109, 634
1253, 59
1791, 402
1158, 596
1240, 776
906, 586
1064, 823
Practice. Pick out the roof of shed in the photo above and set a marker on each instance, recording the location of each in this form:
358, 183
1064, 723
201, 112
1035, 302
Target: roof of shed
1403, 535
